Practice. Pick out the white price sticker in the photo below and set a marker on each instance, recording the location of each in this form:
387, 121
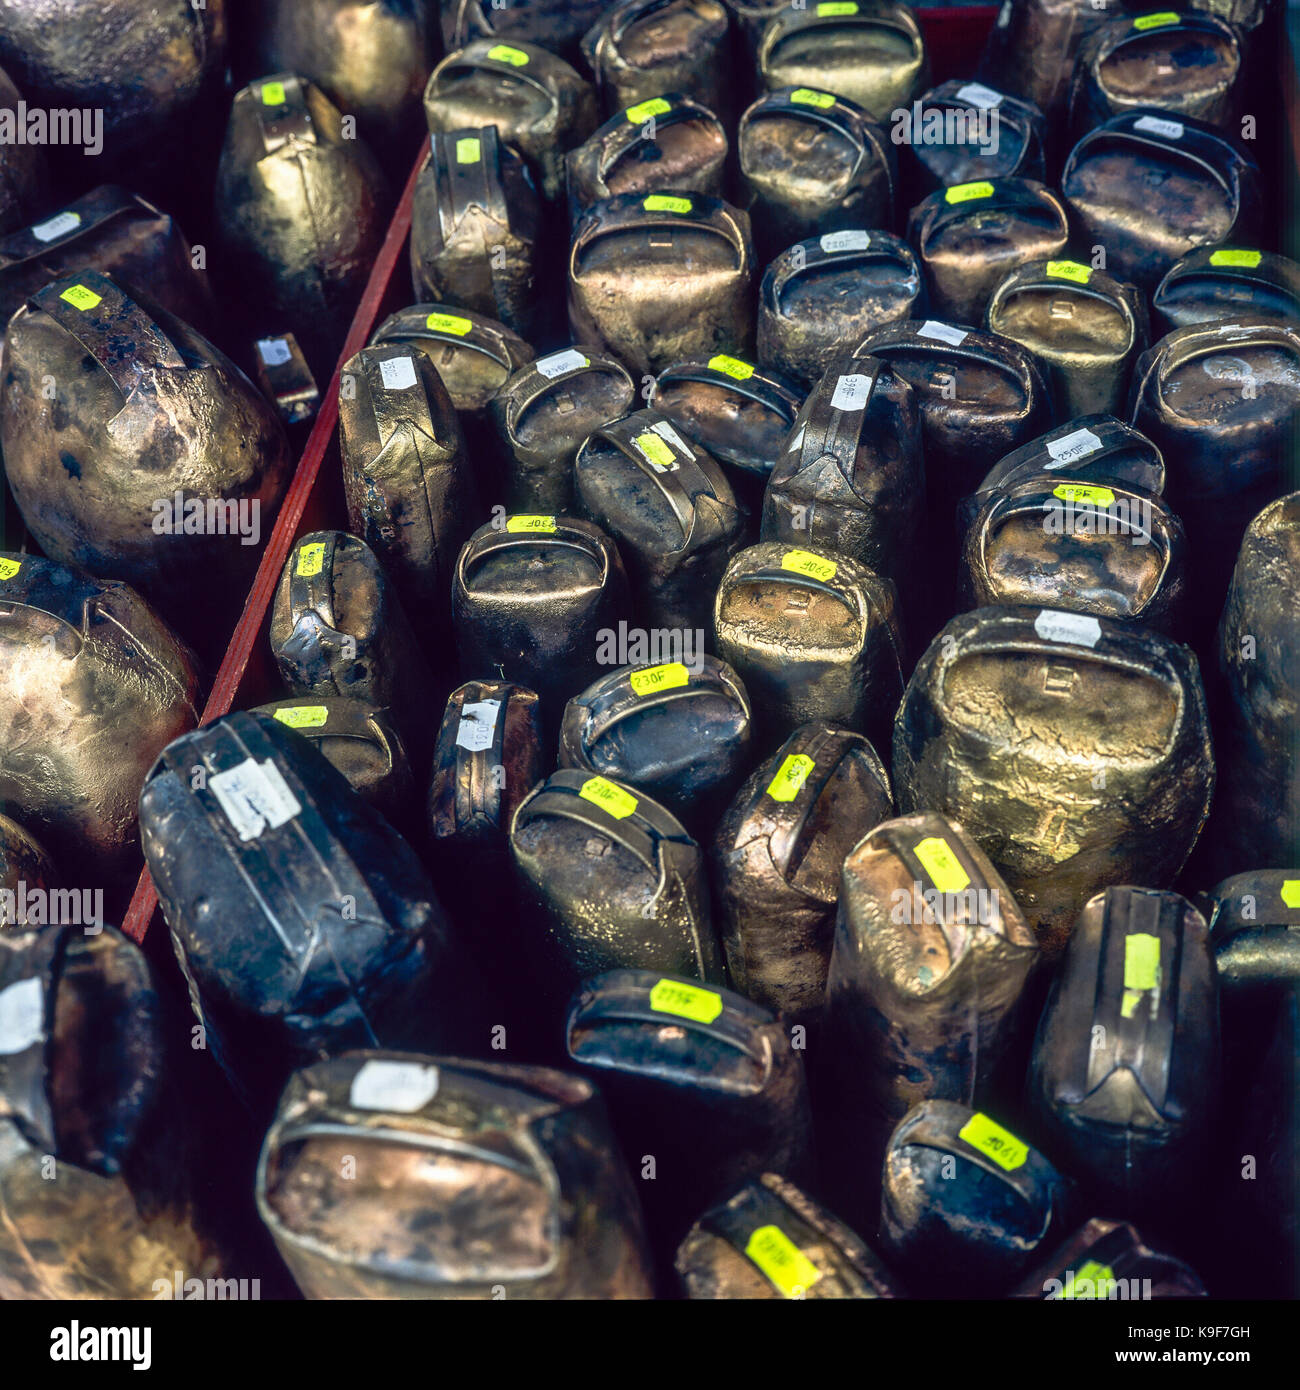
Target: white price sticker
851, 392
942, 332
273, 351
845, 241
478, 723
1079, 629
558, 363
402, 1087
56, 227
398, 373
1070, 448
665, 431
1157, 125
254, 797
979, 95
22, 1016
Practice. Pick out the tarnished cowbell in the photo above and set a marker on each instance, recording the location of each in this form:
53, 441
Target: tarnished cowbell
700, 1081
1124, 1082
406, 475
100, 1145
640, 49
926, 997
543, 415
681, 733
614, 882
24, 863
303, 922
93, 686
966, 1204
1255, 929
533, 600
777, 856
154, 460
474, 228
467, 1180
812, 162
1074, 750
871, 51
960, 132
1187, 64
772, 1241
1257, 818
538, 103
1075, 520
828, 292
662, 277
1104, 1257
362, 742
814, 635
24, 172
740, 412
671, 509
667, 142
338, 628
301, 212
1085, 328
1227, 282
851, 478
556, 25
970, 236
112, 230
1149, 188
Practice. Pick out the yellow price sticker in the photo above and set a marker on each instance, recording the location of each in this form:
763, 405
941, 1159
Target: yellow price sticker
9, 568
656, 450
666, 202
516, 525
503, 53
686, 1001
968, 192
1082, 492
1069, 270
81, 297
273, 94
782, 1262
732, 367
1290, 886
1154, 21
835, 9
303, 716
469, 149
1244, 260
809, 565
1141, 961
790, 777
1090, 1272
996, 1143
448, 323
653, 678
610, 797
806, 96
941, 863
647, 110
311, 560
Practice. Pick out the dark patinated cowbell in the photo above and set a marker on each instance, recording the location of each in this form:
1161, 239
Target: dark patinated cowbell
100, 1147
960, 132
467, 1180
1074, 750
1031, 49
777, 858
1149, 188
814, 635
362, 742
681, 733
614, 883
740, 412
664, 143
24, 172
1124, 1081
662, 277
851, 478
771, 1240
555, 25
1257, 817
704, 1089
532, 603
671, 509
813, 162
1109, 1259
543, 415
640, 49
93, 686
926, 995
1227, 282
338, 628
24, 864
830, 291
406, 475
158, 462
301, 212
286, 378
303, 922
871, 51
966, 1204
1188, 64
1254, 922
474, 228
970, 236
119, 234
1085, 327
538, 103
1075, 520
